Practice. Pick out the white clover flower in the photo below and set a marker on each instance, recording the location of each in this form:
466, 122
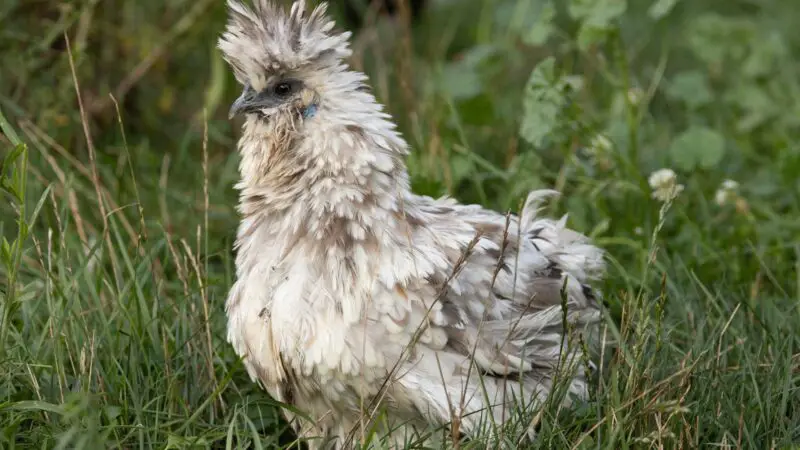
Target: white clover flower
730, 185
721, 197
727, 192
600, 144
599, 150
665, 185
635, 96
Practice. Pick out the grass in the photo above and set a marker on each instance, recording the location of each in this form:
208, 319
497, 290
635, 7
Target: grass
118, 213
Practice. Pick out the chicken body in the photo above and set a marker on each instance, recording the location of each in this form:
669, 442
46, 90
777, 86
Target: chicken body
433, 310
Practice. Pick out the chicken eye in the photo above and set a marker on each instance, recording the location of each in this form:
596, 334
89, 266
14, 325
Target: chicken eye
282, 89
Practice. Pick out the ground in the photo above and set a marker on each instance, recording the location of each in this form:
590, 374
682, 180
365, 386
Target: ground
118, 212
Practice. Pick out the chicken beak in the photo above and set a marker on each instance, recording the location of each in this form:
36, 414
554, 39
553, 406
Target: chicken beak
242, 103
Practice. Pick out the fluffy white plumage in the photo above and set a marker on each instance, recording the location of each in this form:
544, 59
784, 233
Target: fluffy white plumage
355, 294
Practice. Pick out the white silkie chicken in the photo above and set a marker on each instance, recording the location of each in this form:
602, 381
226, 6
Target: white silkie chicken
354, 295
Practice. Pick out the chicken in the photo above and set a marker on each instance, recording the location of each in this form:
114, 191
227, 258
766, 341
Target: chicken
356, 298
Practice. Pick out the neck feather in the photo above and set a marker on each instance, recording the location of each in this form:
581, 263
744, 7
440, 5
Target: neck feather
341, 172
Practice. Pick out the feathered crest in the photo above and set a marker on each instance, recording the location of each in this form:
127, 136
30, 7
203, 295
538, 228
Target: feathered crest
267, 39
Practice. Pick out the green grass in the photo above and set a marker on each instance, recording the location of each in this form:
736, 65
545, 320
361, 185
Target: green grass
116, 256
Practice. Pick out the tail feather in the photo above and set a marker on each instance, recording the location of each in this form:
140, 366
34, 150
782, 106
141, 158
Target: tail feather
476, 400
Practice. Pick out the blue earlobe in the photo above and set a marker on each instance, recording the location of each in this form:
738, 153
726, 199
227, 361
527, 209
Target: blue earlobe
310, 111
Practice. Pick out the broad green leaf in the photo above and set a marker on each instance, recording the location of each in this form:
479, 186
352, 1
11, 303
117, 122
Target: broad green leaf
477, 55
767, 53
591, 34
697, 147
597, 12
458, 82
545, 97
661, 8
714, 38
596, 17
691, 87
541, 103
531, 20
542, 27
461, 79
755, 104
